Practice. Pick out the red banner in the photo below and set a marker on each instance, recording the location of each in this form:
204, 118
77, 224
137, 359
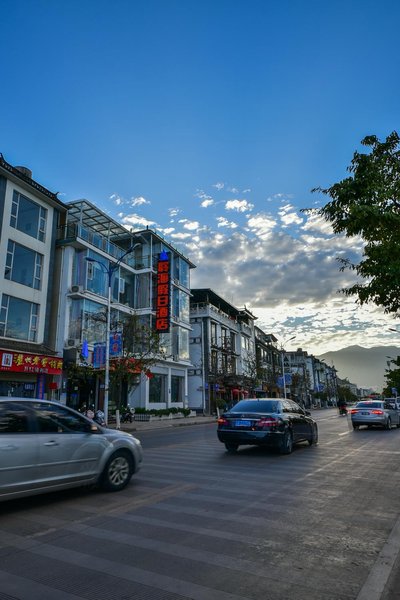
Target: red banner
30, 363
163, 294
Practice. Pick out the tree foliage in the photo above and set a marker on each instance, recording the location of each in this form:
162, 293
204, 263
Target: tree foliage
367, 204
392, 376
141, 348
346, 395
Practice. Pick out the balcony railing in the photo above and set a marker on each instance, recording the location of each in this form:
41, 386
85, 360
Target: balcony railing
73, 231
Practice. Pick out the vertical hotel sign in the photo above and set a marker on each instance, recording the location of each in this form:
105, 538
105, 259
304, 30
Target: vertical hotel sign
163, 293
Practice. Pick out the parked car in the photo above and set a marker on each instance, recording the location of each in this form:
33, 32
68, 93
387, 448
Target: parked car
46, 446
374, 412
274, 422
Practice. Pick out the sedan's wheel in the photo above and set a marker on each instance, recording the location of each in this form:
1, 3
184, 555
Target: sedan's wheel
355, 427
314, 438
389, 423
117, 472
231, 447
286, 446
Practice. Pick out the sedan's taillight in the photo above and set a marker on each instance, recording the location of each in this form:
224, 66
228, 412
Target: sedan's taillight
377, 412
222, 421
353, 411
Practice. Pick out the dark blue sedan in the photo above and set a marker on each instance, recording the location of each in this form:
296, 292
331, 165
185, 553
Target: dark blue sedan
274, 422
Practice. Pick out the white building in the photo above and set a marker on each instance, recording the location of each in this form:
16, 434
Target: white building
30, 361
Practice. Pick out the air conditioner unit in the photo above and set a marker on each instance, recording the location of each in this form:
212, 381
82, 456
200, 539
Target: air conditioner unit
77, 289
73, 342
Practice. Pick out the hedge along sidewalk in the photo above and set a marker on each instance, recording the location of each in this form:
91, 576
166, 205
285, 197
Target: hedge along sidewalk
164, 422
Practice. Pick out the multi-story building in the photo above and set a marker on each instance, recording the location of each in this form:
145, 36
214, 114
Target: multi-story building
268, 357
222, 352
99, 256
30, 215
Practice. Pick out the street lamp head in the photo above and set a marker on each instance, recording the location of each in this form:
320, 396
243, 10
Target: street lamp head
133, 246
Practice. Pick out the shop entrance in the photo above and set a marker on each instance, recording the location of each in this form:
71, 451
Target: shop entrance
17, 389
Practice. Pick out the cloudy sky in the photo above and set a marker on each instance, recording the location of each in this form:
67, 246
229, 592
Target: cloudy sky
211, 121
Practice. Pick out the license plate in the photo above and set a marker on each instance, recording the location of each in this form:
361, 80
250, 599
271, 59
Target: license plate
365, 413
242, 423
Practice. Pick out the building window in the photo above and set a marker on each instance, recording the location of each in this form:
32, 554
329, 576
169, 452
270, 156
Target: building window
177, 388
18, 318
180, 305
157, 388
27, 216
181, 271
23, 265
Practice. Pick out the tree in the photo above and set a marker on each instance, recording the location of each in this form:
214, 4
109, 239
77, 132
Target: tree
367, 204
141, 348
346, 395
392, 377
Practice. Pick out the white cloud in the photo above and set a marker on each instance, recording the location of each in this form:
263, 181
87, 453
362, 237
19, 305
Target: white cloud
180, 236
289, 216
139, 200
223, 222
239, 205
261, 225
116, 199
207, 202
220, 186
137, 221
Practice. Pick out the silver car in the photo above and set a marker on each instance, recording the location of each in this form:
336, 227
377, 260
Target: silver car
46, 446
374, 412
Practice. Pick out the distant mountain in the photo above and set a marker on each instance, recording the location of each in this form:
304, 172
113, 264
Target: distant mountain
363, 366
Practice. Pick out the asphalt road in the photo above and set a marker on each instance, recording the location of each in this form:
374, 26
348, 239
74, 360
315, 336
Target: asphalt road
198, 523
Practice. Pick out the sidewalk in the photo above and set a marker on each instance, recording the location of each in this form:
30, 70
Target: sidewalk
137, 426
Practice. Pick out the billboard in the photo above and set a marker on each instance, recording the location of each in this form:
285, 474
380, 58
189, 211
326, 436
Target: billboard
163, 299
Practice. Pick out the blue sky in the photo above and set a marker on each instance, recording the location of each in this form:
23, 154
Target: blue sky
211, 121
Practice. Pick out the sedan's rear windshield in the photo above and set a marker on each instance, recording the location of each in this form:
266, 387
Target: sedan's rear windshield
256, 406
369, 405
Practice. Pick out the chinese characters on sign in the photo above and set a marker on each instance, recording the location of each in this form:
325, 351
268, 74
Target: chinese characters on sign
30, 363
163, 294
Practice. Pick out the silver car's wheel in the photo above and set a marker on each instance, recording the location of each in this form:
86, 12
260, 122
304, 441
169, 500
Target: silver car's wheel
117, 472
286, 446
389, 424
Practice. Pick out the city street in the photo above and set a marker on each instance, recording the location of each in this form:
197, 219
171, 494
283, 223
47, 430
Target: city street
198, 523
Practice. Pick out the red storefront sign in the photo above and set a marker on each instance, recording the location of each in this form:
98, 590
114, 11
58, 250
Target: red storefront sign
163, 293
30, 363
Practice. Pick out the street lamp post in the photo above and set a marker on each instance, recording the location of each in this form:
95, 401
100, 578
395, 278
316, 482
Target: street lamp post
283, 366
109, 272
